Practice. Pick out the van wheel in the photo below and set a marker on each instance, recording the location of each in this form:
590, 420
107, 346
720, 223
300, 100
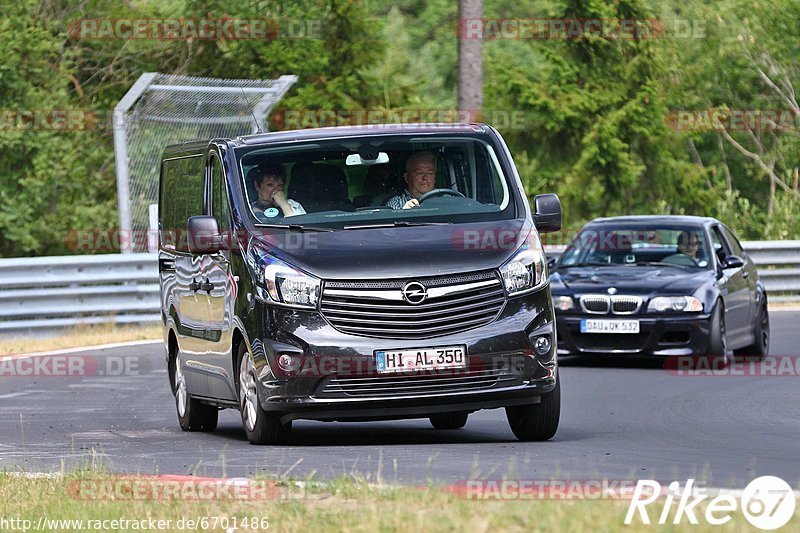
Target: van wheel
760, 347
538, 421
718, 343
449, 420
192, 414
260, 426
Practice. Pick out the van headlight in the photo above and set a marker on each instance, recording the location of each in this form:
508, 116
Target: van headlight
281, 283
686, 304
526, 271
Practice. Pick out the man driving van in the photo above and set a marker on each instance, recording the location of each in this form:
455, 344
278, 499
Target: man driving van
269, 180
420, 177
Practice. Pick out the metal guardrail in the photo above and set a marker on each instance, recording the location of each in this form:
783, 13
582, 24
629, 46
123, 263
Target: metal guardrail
44, 293
47, 293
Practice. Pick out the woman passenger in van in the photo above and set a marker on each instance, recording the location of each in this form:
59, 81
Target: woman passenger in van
269, 180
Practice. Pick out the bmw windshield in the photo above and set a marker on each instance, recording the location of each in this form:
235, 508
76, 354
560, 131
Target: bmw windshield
637, 245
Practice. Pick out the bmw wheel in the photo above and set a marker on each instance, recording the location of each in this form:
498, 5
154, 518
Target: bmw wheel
760, 347
718, 343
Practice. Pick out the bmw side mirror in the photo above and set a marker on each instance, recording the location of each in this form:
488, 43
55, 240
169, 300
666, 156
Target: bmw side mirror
203, 235
547, 213
551, 262
733, 261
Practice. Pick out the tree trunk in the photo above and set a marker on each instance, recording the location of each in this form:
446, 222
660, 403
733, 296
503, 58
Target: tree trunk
771, 204
470, 60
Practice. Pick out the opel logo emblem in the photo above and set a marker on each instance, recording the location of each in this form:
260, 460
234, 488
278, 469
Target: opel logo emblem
414, 292
612, 290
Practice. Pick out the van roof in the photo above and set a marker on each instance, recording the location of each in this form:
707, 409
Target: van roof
331, 133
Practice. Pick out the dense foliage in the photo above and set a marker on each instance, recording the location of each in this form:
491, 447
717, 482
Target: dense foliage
596, 119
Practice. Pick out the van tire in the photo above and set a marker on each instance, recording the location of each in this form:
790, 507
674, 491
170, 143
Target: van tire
192, 414
449, 420
260, 426
537, 421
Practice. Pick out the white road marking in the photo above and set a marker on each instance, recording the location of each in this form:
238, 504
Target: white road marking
84, 349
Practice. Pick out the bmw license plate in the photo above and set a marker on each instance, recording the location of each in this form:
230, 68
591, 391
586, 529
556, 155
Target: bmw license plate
590, 325
438, 358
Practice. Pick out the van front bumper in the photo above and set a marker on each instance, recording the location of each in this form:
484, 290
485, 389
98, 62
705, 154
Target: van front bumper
336, 376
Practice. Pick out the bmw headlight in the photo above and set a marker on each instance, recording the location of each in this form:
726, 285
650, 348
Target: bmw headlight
527, 270
279, 282
563, 303
685, 304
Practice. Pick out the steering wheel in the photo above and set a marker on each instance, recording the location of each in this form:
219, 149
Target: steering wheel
681, 259
439, 192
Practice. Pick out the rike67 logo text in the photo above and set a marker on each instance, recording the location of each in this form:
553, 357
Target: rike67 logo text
768, 502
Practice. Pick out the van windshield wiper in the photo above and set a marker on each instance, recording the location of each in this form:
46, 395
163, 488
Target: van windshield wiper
586, 264
295, 227
649, 263
398, 224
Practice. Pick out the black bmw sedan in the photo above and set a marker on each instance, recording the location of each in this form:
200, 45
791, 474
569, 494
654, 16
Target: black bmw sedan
658, 285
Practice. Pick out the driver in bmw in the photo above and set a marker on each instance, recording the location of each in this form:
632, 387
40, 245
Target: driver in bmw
420, 177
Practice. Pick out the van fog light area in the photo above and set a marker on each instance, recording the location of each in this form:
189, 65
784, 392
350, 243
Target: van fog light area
541, 345
288, 362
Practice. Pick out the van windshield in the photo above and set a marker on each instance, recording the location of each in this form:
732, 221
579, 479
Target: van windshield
354, 183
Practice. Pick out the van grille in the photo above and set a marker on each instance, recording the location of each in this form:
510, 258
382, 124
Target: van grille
418, 385
378, 309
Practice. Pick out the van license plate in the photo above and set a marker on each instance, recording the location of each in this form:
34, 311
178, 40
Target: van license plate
421, 359
609, 326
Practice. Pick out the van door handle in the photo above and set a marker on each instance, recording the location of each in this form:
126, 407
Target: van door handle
166, 265
207, 286
195, 285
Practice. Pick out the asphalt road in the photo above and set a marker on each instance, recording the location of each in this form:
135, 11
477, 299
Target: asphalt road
620, 420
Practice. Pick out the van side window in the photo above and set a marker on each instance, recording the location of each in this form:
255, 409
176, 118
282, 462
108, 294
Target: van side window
181, 198
220, 208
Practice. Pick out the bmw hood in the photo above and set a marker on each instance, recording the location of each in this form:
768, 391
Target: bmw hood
635, 280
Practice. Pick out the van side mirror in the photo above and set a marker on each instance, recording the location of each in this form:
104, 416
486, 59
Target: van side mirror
203, 235
547, 213
732, 261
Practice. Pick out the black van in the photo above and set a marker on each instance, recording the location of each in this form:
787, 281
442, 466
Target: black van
356, 273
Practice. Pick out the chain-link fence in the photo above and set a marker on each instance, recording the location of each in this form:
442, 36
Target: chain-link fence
162, 109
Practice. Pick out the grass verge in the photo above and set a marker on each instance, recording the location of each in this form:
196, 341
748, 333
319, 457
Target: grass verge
80, 336
344, 504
